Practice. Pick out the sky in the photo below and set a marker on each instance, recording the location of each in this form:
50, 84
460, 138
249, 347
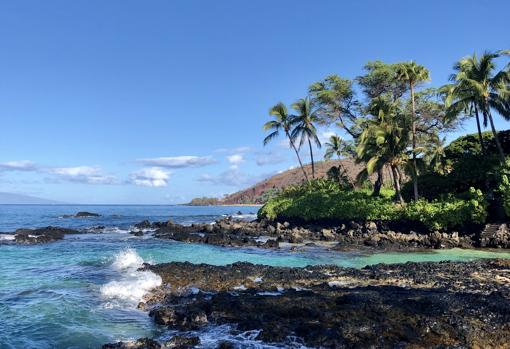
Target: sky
157, 102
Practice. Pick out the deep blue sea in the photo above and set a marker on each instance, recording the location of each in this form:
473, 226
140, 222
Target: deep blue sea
82, 292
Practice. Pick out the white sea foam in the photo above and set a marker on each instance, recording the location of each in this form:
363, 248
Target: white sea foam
212, 335
133, 284
6, 237
115, 230
245, 217
337, 283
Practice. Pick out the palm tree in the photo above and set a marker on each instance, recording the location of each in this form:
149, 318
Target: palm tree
413, 74
477, 82
435, 154
384, 142
337, 146
461, 101
304, 126
283, 121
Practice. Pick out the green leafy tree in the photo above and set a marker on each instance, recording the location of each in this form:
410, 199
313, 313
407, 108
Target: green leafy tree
283, 121
379, 80
413, 74
336, 103
304, 128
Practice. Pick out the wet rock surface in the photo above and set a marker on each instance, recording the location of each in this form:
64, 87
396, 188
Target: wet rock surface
176, 342
412, 305
41, 235
345, 236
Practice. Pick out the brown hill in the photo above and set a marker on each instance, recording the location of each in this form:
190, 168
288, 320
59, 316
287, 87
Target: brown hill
255, 194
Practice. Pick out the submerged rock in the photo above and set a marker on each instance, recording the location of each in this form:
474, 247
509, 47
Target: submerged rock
141, 343
176, 342
182, 342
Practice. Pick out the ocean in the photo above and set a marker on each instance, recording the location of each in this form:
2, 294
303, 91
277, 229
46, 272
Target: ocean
82, 292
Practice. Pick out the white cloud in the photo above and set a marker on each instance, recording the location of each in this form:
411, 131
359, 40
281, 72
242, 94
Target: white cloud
325, 135
18, 165
178, 161
82, 174
235, 160
270, 158
150, 177
233, 177
241, 150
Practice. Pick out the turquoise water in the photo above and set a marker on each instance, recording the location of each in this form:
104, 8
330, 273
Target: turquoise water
82, 292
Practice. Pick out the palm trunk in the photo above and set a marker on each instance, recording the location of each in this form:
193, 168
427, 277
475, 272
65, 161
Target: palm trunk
415, 166
400, 176
298, 157
495, 133
480, 137
396, 184
311, 157
379, 182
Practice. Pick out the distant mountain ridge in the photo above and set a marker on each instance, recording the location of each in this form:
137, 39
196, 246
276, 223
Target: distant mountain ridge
255, 193
20, 199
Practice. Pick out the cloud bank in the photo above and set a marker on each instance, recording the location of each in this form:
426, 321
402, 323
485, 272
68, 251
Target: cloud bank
178, 161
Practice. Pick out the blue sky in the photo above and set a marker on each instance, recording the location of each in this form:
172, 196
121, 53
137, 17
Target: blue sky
161, 101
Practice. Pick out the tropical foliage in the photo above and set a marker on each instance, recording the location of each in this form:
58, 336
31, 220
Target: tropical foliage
322, 201
398, 131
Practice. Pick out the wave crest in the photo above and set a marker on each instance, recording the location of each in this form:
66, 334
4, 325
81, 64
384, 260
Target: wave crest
133, 284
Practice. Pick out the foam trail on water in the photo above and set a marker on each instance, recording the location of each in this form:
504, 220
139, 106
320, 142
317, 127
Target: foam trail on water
7, 237
133, 284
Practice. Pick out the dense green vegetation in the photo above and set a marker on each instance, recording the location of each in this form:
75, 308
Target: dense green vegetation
320, 200
397, 129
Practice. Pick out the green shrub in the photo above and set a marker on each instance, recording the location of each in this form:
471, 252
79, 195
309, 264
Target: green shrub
448, 213
320, 201
504, 187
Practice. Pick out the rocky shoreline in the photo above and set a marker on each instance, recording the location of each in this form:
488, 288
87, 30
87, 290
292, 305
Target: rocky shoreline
411, 305
344, 236
229, 232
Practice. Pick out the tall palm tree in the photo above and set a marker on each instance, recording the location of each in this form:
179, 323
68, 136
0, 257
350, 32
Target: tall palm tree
305, 129
282, 121
337, 146
479, 83
384, 142
413, 74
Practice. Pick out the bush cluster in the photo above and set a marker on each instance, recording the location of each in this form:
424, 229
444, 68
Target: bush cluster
324, 200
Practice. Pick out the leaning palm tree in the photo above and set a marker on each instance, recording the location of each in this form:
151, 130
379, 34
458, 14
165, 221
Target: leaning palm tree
282, 121
479, 83
337, 146
413, 74
305, 129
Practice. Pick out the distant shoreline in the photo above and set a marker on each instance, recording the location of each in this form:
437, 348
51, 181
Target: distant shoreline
227, 205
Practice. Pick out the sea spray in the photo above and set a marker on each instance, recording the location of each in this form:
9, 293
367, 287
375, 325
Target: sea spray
133, 284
